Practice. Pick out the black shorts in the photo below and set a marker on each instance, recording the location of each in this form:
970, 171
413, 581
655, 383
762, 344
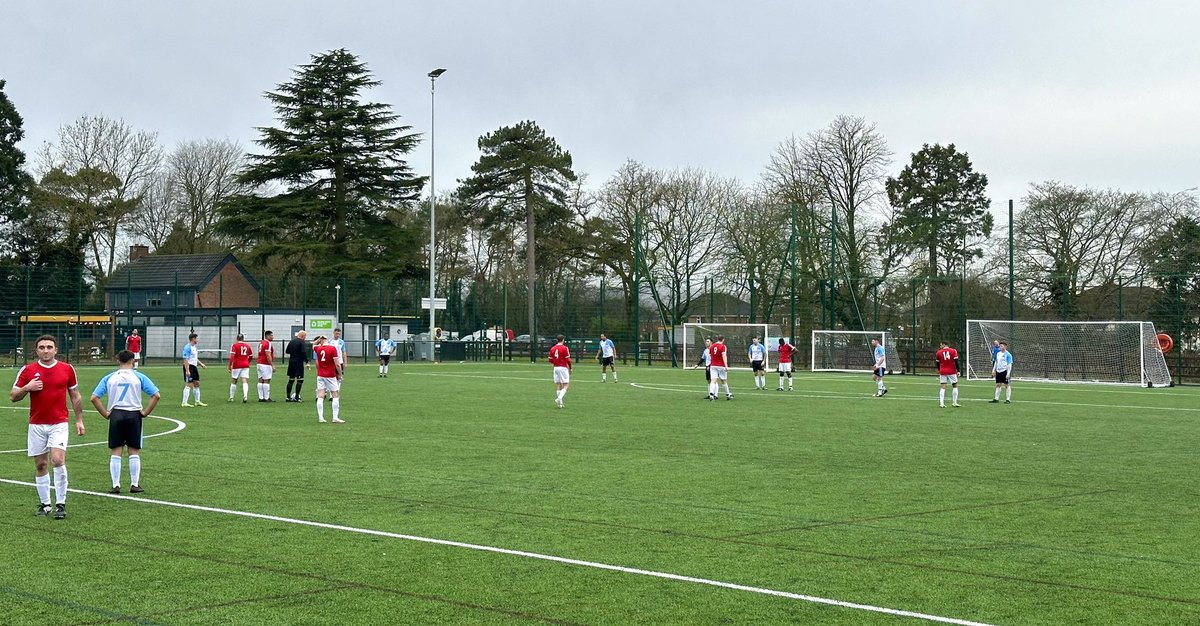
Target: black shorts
385, 359
708, 373
606, 361
880, 371
1002, 377
191, 374
295, 369
756, 366
124, 429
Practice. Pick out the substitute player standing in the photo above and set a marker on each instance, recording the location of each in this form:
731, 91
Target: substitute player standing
266, 366
720, 369
786, 351
758, 354
880, 368
329, 378
385, 348
608, 354
948, 369
240, 354
133, 343
191, 373
124, 413
560, 358
1002, 368
46, 381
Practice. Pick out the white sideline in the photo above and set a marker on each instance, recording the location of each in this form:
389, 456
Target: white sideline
530, 555
179, 425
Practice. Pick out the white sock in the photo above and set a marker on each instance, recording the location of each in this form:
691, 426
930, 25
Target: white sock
559, 394
1008, 393
385, 369
781, 381
380, 369
135, 469
43, 488
187, 393
941, 396
712, 389
954, 395
614, 377
245, 391
337, 407
727, 392
789, 382
603, 377
320, 408
997, 394
60, 485
232, 390
114, 469
196, 392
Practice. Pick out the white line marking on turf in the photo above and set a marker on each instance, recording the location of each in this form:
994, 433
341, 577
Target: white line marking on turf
530, 555
179, 425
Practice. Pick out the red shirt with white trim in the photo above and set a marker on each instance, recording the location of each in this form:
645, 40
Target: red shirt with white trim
560, 356
49, 405
266, 352
945, 358
717, 352
327, 359
134, 343
785, 353
239, 355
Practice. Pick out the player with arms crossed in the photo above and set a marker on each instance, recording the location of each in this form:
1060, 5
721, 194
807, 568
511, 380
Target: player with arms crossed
1002, 368
720, 369
560, 359
48, 382
706, 361
133, 343
329, 378
124, 413
191, 375
758, 354
266, 366
880, 369
385, 348
240, 354
608, 354
948, 368
786, 352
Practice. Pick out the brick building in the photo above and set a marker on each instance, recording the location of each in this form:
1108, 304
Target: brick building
167, 282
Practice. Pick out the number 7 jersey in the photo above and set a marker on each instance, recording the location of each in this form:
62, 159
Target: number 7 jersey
124, 389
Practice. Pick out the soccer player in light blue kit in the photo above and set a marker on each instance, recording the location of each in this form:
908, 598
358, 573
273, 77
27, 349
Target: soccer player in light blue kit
758, 354
608, 354
191, 375
124, 412
1002, 368
385, 348
880, 368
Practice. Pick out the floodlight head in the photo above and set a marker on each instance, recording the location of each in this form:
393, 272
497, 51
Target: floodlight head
438, 72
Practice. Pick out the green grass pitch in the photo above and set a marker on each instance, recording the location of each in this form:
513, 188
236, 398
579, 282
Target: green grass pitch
1076, 504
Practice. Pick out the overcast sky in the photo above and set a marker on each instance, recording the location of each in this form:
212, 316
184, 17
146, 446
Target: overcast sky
1094, 93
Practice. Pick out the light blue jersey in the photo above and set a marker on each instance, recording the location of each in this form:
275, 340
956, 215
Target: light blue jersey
385, 346
757, 352
880, 356
1004, 361
190, 355
124, 389
607, 349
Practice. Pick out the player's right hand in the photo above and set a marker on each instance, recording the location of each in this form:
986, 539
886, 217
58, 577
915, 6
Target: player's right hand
34, 385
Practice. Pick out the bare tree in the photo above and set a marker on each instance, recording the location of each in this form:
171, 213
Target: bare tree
202, 174
758, 233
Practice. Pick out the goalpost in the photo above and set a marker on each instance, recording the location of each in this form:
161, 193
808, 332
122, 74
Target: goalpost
737, 342
1115, 352
851, 351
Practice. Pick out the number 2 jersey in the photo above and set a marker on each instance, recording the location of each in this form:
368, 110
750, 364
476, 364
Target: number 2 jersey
327, 360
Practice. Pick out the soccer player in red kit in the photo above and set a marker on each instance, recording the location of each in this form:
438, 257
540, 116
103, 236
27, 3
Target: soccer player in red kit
947, 363
560, 358
786, 350
719, 368
266, 366
329, 377
47, 383
240, 354
133, 343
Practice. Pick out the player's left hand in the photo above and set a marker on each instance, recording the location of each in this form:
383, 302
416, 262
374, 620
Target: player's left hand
79, 430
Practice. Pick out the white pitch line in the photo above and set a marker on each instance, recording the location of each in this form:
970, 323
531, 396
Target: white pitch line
179, 425
530, 555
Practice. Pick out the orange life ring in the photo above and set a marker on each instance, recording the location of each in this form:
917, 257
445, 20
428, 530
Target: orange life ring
1165, 343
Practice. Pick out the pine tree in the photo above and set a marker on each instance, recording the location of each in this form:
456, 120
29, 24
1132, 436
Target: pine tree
15, 182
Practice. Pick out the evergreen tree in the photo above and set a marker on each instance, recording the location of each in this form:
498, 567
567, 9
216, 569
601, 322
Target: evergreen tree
346, 188
943, 206
523, 175
15, 182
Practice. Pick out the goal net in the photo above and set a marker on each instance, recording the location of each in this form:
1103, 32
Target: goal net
1073, 352
737, 342
851, 351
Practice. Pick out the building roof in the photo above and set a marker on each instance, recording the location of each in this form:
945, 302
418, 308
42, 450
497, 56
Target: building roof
159, 270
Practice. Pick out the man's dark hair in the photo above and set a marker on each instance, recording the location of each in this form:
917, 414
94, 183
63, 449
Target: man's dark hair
192, 336
267, 333
124, 357
1004, 343
51, 338
241, 337
720, 337
945, 343
560, 339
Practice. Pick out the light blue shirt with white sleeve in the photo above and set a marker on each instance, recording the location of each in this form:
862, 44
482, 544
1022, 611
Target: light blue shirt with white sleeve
124, 389
880, 356
1004, 361
190, 355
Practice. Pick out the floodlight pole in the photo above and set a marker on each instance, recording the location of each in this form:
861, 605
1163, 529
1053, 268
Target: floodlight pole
337, 304
433, 76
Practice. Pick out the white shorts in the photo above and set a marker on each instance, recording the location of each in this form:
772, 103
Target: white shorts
785, 368
719, 373
239, 372
562, 375
42, 437
948, 378
328, 384
264, 371
137, 356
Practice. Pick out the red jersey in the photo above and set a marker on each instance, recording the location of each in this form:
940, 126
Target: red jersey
134, 343
239, 355
327, 359
945, 358
48, 406
560, 356
785, 353
717, 352
266, 352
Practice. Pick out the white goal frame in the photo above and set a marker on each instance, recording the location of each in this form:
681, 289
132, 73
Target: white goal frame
1150, 362
689, 357
885, 339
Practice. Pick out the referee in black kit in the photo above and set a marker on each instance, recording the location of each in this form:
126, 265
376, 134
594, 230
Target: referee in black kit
298, 353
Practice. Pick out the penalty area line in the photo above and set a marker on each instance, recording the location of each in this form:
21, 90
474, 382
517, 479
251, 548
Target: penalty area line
529, 555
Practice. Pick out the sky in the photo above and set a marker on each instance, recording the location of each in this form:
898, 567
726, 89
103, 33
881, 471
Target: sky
1096, 93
